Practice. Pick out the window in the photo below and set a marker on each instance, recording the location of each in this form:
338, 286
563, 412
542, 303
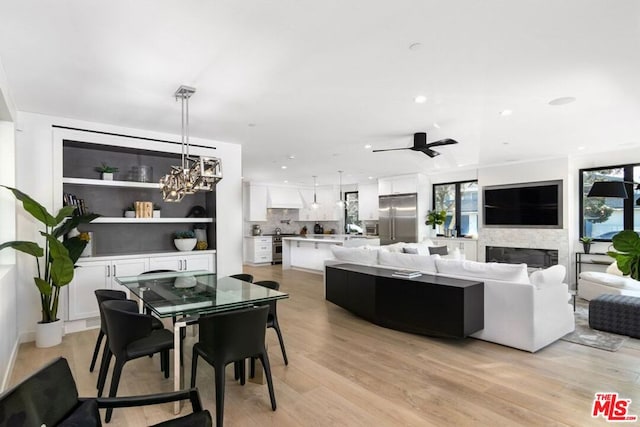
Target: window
460, 201
351, 221
603, 217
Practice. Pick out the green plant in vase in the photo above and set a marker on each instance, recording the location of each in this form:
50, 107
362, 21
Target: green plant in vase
435, 217
586, 244
56, 261
627, 252
106, 171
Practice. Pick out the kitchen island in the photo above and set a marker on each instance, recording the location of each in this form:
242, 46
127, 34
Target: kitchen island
309, 252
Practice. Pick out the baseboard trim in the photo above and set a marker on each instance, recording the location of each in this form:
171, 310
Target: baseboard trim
9, 370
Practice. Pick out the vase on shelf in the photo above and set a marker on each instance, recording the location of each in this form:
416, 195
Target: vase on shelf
586, 247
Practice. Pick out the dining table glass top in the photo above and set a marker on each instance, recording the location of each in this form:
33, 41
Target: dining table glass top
195, 292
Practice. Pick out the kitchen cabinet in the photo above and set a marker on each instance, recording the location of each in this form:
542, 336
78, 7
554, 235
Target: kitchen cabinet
255, 202
398, 185
307, 212
92, 275
258, 250
368, 202
329, 210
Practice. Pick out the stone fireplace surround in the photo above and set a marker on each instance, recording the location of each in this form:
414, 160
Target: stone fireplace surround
536, 238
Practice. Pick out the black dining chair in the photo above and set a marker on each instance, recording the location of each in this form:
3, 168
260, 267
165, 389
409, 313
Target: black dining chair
49, 397
244, 277
103, 295
229, 337
130, 336
272, 322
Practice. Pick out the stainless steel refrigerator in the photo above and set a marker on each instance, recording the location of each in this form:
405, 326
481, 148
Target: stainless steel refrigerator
398, 219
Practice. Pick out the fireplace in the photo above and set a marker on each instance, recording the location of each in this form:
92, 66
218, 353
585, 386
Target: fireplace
534, 258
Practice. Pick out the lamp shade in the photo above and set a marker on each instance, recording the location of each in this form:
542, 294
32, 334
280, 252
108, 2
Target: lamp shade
608, 189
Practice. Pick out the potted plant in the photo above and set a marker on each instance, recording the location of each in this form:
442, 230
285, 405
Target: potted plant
106, 171
55, 262
627, 245
586, 244
130, 211
435, 217
185, 240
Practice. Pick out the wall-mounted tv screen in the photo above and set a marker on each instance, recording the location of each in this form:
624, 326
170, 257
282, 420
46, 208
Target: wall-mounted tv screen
534, 205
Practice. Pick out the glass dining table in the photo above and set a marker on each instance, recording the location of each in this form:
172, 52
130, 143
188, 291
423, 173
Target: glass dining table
187, 295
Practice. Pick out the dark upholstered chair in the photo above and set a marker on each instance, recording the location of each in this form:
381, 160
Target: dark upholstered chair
243, 277
272, 320
230, 337
50, 397
131, 336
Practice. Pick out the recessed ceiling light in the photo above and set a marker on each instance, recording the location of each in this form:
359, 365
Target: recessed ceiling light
420, 99
506, 112
285, 181
291, 156
436, 125
251, 125
370, 177
505, 143
367, 146
562, 101
581, 148
415, 46
283, 167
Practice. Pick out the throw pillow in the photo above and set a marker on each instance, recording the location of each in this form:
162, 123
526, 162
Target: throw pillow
423, 263
438, 250
408, 250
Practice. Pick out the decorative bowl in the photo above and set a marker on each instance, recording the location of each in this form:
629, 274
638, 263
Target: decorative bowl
185, 244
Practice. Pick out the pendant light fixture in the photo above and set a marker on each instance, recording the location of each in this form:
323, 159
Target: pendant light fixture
340, 202
315, 204
194, 173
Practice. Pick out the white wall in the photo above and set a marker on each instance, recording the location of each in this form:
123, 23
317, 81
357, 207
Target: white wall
8, 283
35, 176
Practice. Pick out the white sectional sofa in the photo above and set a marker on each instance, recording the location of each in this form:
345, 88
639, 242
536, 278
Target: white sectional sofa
523, 311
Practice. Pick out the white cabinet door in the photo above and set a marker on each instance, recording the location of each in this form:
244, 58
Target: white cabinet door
180, 262
307, 213
127, 267
329, 210
197, 262
173, 262
398, 185
368, 202
89, 276
256, 207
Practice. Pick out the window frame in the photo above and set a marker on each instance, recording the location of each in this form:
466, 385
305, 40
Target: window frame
346, 210
458, 199
627, 205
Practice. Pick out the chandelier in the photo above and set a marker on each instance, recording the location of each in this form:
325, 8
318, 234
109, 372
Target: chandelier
194, 173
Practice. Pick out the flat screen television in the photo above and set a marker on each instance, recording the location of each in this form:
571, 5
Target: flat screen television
532, 205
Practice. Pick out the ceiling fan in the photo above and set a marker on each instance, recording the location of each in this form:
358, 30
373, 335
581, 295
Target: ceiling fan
420, 144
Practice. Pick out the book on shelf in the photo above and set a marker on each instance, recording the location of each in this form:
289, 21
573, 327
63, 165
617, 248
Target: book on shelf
406, 274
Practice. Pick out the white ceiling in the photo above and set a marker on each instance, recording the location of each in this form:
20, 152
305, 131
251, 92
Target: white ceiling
320, 79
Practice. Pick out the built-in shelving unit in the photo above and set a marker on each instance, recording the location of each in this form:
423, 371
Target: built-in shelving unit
119, 220
105, 183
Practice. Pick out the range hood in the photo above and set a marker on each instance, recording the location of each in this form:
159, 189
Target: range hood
283, 198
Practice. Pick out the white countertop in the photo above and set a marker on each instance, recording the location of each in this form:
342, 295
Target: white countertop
329, 238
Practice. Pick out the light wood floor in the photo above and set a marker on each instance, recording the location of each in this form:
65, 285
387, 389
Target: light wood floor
344, 371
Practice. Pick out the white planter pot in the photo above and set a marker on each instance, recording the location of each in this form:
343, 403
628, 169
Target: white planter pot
49, 334
107, 176
129, 214
185, 244
156, 214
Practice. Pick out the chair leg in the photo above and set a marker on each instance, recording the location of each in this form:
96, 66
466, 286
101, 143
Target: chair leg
219, 373
162, 356
236, 371
115, 380
96, 350
194, 368
104, 368
243, 367
264, 359
166, 363
276, 326
252, 368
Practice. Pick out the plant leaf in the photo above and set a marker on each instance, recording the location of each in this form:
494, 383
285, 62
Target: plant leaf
75, 246
623, 261
34, 208
43, 286
56, 248
73, 222
64, 212
61, 271
30, 248
627, 241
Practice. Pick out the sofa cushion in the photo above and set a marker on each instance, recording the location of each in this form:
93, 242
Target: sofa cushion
611, 280
355, 255
491, 270
548, 276
394, 247
424, 263
438, 250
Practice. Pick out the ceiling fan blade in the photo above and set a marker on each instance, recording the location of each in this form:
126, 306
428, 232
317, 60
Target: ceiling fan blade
392, 149
430, 153
446, 141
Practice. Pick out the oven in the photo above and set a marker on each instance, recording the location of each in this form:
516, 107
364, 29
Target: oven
276, 249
